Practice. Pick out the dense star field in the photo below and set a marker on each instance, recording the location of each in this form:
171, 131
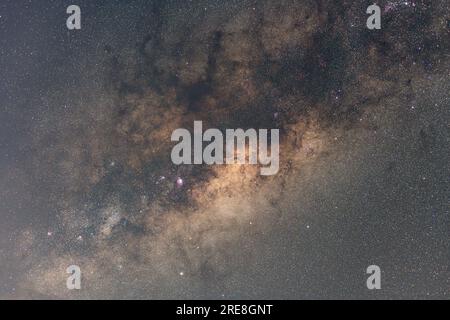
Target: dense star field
86, 176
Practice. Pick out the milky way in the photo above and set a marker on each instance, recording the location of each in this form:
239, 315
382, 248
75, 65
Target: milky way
87, 179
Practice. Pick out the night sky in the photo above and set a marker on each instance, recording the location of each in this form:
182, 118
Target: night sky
86, 176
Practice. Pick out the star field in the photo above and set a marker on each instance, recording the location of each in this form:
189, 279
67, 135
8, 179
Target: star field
85, 171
